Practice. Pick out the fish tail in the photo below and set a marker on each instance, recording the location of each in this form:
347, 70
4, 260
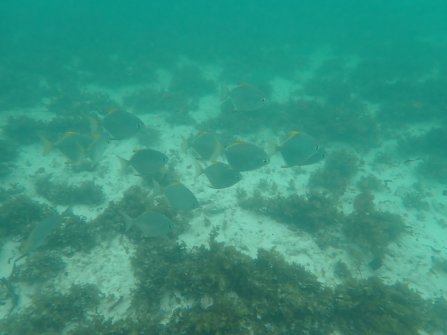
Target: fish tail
272, 149
218, 150
185, 144
47, 144
124, 164
224, 93
198, 170
94, 126
127, 220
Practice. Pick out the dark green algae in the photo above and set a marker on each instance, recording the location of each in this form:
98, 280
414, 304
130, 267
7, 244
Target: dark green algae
366, 228
228, 292
265, 295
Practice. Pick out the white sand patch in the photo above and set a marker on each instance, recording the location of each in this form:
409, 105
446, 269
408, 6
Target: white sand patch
108, 267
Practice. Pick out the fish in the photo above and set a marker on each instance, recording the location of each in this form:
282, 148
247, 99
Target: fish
247, 98
180, 197
80, 147
121, 124
72, 145
151, 224
100, 139
221, 175
40, 233
147, 162
244, 156
205, 145
301, 149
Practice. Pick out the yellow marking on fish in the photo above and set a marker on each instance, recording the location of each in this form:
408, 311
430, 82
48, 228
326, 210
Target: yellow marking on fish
294, 133
70, 133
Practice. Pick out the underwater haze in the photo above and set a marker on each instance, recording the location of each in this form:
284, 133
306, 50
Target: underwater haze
223, 167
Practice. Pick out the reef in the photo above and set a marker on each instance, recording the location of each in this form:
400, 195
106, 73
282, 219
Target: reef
39, 268
366, 228
219, 290
371, 307
18, 214
370, 183
372, 230
76, 102
228, 291
52, 311
85, 193
74, 235
428, 152
336, 174
8, 154
134, 202
312, 212
23, 130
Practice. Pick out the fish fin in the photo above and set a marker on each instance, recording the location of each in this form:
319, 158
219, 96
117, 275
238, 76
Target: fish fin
293, 133
235, 142
70, 133
112, 109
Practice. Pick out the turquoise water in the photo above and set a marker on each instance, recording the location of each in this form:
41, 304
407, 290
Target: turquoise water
346, 106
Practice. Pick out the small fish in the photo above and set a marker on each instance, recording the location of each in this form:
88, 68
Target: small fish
100, 139
205, 145
180, 197
151, 224
147, 162
40, 233
80, 148
247, 98
221, 175
121, 124
244, 156
72, 145
301, 149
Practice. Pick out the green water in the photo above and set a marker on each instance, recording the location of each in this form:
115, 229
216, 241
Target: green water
365, 80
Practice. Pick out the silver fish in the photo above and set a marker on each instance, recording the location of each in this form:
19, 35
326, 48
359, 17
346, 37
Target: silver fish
40, 232
122, 124
222, 175
147, 162
205, 145
243, 156
301, 149
152, 224
247, 98
180, 197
